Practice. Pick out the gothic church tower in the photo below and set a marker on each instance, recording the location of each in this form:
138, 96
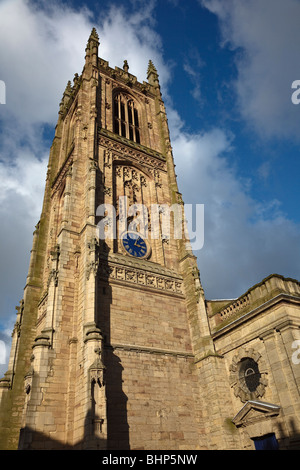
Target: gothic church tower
111, 331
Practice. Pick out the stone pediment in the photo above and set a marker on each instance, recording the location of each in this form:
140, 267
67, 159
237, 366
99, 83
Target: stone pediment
255, 411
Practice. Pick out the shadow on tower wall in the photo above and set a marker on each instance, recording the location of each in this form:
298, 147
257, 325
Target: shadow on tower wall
116, 399
35, 440
289, 440
117, 423
40, 441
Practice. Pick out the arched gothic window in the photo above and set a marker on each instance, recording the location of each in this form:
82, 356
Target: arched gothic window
126, 119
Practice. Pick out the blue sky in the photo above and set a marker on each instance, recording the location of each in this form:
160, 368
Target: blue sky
226, 68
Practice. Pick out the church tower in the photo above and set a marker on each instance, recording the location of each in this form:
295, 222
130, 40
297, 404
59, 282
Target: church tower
112, 323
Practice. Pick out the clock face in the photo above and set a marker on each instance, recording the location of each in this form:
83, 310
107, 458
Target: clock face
135, 245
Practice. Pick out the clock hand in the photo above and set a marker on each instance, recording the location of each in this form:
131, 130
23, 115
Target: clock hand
135, 244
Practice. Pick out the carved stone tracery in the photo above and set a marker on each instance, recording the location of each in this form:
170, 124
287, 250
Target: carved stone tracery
118, 151
93, 262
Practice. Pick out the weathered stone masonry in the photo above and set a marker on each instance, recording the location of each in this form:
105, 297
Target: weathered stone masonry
113, 351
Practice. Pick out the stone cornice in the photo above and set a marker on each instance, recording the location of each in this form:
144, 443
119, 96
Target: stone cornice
257, 295
149, 350
140, 153
141, 274
283, 297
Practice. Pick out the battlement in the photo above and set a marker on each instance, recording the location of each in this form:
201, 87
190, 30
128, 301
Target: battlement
123, 76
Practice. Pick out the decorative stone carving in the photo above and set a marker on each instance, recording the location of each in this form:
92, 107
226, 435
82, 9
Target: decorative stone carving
28, 381
84, 132
93, 264
17, 329
130, 275
148, 158
107, 190
143, 181
97, 372
118, 170
97, 396
107, 158
77, 254
93, 165
92, 267
157, 178
179, 199
240, 373
139, 276
198, 286
53, 275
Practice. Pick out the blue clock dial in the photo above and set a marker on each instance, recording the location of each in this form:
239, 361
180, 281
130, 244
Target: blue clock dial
134, 244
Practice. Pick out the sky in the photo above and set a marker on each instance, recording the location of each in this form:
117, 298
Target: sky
226, 69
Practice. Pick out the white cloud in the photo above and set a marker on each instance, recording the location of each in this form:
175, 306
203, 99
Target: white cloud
47, 47
42, 46
24, 179
21, 197
40, 52
140, 42
244, 240
265, 34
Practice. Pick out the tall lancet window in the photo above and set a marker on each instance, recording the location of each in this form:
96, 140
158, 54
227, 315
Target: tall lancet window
126, 119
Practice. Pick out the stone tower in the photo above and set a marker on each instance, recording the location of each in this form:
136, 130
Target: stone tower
112, 326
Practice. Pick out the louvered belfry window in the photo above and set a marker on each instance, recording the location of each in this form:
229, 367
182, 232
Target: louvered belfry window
126, 119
